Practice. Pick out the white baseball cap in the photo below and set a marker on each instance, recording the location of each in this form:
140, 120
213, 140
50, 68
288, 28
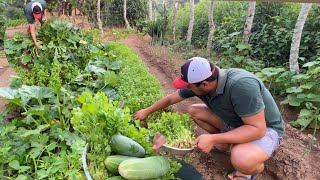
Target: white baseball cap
195, 70
36, 10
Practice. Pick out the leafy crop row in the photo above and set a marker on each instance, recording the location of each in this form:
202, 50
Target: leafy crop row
84, 78
137, 88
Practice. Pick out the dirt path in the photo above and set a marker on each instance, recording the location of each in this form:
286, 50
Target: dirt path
286, 162
5, 73
5, 70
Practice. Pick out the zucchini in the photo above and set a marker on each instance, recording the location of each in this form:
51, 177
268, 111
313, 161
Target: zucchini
116, 178
112, 162
123, 145
144, 168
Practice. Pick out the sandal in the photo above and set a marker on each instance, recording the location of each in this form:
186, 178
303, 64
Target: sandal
234, 175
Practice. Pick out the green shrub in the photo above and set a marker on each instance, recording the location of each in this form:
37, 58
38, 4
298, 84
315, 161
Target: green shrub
272, 43
158, 28
310, 40
136, 11
273, 29
225, 16
305, 94
61, 42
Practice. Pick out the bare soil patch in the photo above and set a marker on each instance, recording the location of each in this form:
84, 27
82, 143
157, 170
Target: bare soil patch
5, 73
287, 162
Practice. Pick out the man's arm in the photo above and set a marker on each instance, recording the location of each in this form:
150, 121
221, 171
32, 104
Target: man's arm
44, 15
170, 99
33, 35
254, 128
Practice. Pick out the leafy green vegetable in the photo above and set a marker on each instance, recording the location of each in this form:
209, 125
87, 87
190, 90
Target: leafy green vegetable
177, 129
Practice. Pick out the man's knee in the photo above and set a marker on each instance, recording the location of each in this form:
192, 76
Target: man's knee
192, 111
244, 162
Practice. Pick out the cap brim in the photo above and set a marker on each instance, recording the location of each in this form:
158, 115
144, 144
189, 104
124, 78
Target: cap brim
37, 16
179, 83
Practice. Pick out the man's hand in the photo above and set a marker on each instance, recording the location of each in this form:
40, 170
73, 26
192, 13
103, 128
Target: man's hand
158, 141
141, 115
38, 44
205, 142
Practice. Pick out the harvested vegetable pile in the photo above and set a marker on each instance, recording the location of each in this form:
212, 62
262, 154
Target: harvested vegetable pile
67, 95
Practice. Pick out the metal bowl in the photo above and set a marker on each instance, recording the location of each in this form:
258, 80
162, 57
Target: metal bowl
176, 151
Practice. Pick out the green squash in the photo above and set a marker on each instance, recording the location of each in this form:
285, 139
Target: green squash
116, 178
144, 168
112, 162
125, 146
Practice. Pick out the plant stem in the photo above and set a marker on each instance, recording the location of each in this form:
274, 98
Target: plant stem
35, 165
311, 141
59, 110
44, 119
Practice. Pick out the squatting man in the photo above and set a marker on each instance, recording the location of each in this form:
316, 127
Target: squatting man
238, 112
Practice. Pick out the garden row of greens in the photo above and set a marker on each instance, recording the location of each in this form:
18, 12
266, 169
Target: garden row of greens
67, 94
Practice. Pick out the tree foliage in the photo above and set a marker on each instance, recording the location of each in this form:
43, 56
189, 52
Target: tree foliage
136, 10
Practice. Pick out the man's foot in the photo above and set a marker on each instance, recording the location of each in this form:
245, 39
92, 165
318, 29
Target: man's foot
236, 175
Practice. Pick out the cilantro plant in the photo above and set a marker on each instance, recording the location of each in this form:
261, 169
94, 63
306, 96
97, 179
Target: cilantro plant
177, 128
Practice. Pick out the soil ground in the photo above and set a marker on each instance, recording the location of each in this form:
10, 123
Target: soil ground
287, 162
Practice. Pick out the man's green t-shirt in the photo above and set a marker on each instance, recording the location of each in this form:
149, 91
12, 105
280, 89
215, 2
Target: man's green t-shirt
240, 94
28, 10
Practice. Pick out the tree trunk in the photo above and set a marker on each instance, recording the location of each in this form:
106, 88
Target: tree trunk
249, 21
191, 21
211, 26
70, 9
175, 10
295, 45
99, 18
164, 3
150, 10
125, 14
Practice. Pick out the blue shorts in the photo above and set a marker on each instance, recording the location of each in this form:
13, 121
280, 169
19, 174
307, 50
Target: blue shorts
268, 143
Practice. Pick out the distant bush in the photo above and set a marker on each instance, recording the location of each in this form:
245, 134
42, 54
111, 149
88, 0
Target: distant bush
15, 13
226, 14
273, 29
136, 11
158, 28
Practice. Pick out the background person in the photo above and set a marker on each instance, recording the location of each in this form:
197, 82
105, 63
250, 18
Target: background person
36, 9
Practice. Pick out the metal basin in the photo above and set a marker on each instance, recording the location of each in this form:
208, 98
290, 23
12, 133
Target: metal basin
176, 151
